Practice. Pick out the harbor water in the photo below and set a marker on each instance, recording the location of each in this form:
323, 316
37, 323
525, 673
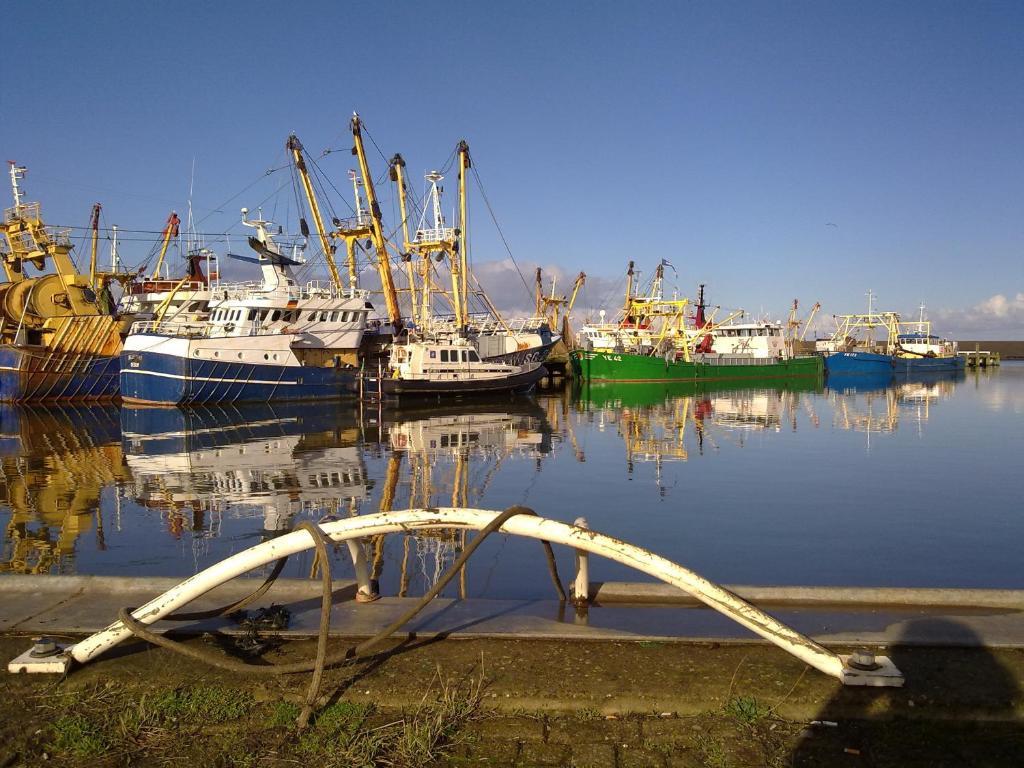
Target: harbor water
858, 482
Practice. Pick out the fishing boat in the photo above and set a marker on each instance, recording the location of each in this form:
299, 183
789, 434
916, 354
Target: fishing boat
59, 337
651, 342
854, 349
918, 349
447, 366
273, 340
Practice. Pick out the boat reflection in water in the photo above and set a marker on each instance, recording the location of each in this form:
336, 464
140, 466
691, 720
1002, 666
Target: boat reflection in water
55, 464
654, 419
877, 404
196, 466
448, 456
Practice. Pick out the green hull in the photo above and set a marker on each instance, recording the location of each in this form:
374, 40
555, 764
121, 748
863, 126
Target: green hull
619, 366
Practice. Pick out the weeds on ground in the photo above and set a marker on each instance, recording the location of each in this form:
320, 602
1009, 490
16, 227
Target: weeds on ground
211, 725
746, 710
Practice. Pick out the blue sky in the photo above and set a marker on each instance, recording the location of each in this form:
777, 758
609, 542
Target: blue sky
773, 151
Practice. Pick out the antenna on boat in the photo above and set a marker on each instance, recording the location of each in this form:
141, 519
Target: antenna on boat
114, 260
17, 172
871, 305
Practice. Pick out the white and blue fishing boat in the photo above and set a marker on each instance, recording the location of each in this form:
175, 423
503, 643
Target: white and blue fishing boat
269, 341
919, 350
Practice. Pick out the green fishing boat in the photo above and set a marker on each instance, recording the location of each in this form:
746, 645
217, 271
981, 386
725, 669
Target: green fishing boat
652, 342
592, 365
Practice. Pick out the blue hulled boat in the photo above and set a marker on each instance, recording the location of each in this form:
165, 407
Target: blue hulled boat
270, 342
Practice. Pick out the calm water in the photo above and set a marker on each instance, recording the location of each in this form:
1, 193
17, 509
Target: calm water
915, 483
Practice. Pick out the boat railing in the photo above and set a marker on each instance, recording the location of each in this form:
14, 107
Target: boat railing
434, 235
162, 286
23, 211
491, 326
353, 223
181, 328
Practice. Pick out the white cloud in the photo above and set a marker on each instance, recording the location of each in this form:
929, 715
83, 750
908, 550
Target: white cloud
998, 317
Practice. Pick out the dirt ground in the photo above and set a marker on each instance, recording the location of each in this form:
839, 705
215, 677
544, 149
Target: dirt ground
516, 703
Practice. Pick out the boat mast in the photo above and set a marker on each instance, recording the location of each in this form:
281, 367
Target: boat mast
295, 147
629, 286
114, 261
464, 165
95, 227
539, 295
387, 282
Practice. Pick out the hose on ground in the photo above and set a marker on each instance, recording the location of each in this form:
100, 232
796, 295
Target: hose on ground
322, 660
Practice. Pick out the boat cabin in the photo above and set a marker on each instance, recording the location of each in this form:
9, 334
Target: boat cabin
754, 339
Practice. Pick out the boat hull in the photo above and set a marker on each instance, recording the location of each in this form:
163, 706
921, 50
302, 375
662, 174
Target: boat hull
35, 374
928, 364
518, 384
619, 366
859, 363
162, 379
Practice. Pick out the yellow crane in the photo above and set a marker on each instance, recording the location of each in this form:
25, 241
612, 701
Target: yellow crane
294, 146
387, 281
169, 233
810, 319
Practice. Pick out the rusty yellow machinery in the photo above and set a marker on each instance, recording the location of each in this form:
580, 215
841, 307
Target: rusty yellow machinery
56, 342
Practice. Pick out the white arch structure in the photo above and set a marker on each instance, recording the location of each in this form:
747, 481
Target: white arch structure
556, 532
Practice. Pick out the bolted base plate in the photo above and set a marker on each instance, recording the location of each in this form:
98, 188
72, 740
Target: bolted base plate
886, 676
58, 664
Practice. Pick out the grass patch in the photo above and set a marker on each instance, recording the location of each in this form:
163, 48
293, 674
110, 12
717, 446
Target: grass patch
333, 727
284, 714
202, 704
78, 736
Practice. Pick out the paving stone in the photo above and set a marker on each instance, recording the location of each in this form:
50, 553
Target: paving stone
629, 757
592, 756
538, 754
487, 750
508, 727
569, 730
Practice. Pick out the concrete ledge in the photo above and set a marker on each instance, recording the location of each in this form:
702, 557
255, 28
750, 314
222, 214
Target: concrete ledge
879, 597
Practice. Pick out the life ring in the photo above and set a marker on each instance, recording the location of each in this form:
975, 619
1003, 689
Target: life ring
229, 327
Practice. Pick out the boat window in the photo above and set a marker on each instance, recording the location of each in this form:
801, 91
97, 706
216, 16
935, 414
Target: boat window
275, 315
473, 357
465, 356
444, 355
334, 316
433, 354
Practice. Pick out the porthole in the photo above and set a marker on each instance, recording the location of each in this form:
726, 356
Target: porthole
239, 355
216, 354
266, 356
